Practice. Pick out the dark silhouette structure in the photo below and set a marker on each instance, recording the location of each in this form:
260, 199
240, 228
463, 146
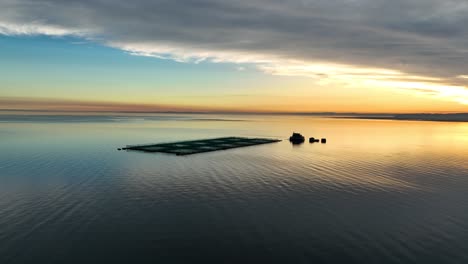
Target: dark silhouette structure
297, 138
200, 146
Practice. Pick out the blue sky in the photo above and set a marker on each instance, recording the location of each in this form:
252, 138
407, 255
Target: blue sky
62, 64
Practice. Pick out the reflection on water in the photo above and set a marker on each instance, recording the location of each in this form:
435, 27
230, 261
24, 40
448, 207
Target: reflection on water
379, 191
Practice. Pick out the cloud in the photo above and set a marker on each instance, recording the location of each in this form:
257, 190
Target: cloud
36, 28
423, 43
57, 105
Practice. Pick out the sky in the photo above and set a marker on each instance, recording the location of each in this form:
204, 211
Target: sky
364, 56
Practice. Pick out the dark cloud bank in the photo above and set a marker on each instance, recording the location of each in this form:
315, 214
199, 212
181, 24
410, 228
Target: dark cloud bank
417, 37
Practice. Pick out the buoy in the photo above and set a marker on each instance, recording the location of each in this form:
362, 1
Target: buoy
324, 140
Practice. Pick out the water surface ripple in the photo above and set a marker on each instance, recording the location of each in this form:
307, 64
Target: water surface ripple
378, 192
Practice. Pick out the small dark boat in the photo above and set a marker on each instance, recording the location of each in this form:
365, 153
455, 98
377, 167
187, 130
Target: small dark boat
296, 138
324, 140
311, 140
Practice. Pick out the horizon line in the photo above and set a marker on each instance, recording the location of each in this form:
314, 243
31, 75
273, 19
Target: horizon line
231, 112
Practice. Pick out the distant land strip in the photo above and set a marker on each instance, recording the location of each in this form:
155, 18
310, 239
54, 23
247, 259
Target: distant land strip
460, 117
441, 117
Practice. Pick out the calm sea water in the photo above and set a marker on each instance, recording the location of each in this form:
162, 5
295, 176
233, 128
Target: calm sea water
378, 192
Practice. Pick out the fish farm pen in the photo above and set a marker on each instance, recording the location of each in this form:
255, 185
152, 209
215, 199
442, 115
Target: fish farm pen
200, 146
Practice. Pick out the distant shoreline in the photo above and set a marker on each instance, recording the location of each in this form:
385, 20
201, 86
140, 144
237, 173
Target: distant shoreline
462, 117
10, 114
